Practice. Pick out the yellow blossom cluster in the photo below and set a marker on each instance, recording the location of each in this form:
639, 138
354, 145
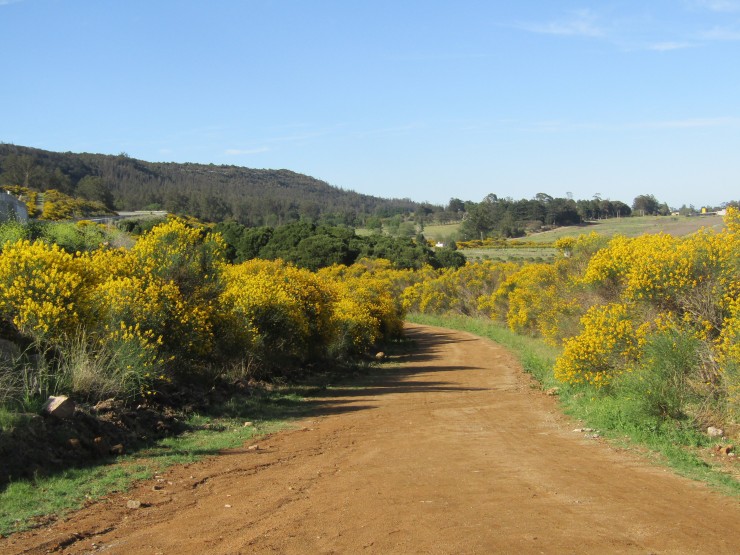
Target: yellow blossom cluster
270, 305
608, 343
367, 303
462, 290
532, 299
41, 289
175, 251
156, 306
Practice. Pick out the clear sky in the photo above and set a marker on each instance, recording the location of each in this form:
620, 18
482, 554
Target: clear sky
423, 99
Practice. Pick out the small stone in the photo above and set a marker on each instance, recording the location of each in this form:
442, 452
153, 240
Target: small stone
117, 449
105, 406
253, 447
248, 424
157, 488
227, 506
74, 443
553, 391
61, 407
380, 356
133, 504
714, 432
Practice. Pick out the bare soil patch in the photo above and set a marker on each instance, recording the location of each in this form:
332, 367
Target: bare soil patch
451, 452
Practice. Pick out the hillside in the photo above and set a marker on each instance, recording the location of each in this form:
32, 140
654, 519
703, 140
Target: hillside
208, 192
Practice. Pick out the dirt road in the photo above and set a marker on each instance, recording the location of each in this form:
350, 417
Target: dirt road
453, 452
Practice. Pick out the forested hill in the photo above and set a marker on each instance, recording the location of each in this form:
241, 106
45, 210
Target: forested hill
209, 192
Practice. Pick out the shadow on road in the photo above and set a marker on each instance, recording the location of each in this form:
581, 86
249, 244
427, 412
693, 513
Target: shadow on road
351, 392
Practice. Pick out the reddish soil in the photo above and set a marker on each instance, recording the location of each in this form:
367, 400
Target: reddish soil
451, 452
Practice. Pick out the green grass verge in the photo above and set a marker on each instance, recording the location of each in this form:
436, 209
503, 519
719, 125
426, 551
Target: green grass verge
675, 444
28, 503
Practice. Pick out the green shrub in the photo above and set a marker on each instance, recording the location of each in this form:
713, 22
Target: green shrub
74, 237
12, 232
660, 387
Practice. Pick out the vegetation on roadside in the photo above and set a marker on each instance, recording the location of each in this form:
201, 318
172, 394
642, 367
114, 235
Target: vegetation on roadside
28, 503
140, 324
612, 304
640, 334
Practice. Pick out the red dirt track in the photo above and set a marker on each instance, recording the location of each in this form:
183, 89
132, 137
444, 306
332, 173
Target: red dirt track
451, 452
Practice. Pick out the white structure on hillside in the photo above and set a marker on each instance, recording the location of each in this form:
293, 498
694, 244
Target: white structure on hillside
12, 209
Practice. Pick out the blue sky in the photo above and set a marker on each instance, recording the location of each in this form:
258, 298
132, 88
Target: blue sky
421, 99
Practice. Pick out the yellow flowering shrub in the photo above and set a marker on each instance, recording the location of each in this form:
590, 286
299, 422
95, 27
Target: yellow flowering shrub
728, 344
396, 280
688, 283
732, 219
457, 290
694, 276
545, 302
713, 282
271, 309
608, 268
536, 299
375, 293
157, 307
280, 310
579, 250
355, 329
171, 305
103, 264
366, 303
188, 256
608, 343
41, 289
659, 272
729, 339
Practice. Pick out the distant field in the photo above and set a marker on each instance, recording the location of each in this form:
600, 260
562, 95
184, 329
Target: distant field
529, 254
441, 232
632, 227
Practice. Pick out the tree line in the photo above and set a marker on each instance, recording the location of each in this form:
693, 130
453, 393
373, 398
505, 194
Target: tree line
208, 192
272, 198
